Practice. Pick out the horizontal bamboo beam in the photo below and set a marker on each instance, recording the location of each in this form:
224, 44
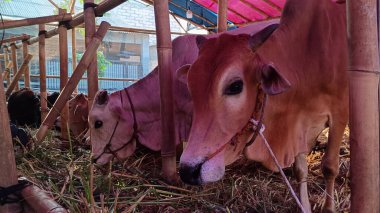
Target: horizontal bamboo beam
34, 21
100, 78
102, 8
16, 38
73, 81
17, 77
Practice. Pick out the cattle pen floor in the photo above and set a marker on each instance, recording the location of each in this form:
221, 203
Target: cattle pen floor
63, 169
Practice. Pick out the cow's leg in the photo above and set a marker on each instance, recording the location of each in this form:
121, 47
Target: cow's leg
301, 171
330, 161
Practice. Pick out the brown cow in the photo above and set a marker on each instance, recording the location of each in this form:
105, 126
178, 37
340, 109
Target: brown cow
307, 51
111, 117
78, 115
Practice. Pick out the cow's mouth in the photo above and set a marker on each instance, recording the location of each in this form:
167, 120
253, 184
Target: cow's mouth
198, 172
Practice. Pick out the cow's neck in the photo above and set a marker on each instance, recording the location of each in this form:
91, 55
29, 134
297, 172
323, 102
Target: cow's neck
145, 97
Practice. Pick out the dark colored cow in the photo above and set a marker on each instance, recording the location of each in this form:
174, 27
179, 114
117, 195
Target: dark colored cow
24, 108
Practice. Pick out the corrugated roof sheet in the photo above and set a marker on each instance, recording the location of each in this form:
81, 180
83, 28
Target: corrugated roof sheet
246, 11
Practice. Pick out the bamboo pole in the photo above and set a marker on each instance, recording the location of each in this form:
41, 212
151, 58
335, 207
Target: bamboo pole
74, 53
54, 4
164, 53
102, 8
7, 72
64, 74
73, 42
18, 75
7, 158
39, 201
92, 72
42, 76
34, 21
73, 82
6, 59
364, 109
100, 78
14, 62
16, 38
26, 73
222, 15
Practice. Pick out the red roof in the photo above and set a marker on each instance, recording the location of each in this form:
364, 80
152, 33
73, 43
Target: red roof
245, 11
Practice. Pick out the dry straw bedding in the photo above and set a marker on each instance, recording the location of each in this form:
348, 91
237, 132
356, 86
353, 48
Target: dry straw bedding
63, 169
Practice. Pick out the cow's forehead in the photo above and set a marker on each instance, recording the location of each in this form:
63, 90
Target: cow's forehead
215, 57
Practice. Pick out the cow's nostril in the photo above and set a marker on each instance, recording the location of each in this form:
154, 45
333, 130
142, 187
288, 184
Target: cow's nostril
191, 174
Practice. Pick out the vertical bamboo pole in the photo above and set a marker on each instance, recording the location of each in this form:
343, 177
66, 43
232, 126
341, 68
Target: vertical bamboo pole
64, 76
8, 176
222, 15
26, 73
364, 105
74, 53
14, 61
92, 72
73, 81
73, 43
42, 65
6, 59
164, 53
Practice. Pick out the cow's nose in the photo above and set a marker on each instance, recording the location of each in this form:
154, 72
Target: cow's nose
191, 174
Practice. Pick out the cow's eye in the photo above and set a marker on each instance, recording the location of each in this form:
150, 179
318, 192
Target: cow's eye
235, 88
98, 124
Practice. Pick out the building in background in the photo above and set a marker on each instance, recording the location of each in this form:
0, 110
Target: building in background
127, 54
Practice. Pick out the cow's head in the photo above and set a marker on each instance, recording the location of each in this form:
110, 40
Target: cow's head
223, 83
78, 114
111, 127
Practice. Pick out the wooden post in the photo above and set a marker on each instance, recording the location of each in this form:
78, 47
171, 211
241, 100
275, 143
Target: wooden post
26, 73
6, 59
14, 62
73, 81
18, 75
222, 15
92, 72
364, 105
64, 73
7, 158
42, 65
164, 53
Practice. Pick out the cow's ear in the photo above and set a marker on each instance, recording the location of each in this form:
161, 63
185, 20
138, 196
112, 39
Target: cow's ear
257, 39
182, 73
101, 98
272, 81
200, 41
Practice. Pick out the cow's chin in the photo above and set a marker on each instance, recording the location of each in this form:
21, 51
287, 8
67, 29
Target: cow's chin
213, 169
122, 154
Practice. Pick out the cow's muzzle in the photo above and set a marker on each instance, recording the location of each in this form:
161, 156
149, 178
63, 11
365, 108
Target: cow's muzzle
191, 174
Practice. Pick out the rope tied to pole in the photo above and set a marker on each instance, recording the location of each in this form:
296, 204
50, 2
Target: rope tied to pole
8, 194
